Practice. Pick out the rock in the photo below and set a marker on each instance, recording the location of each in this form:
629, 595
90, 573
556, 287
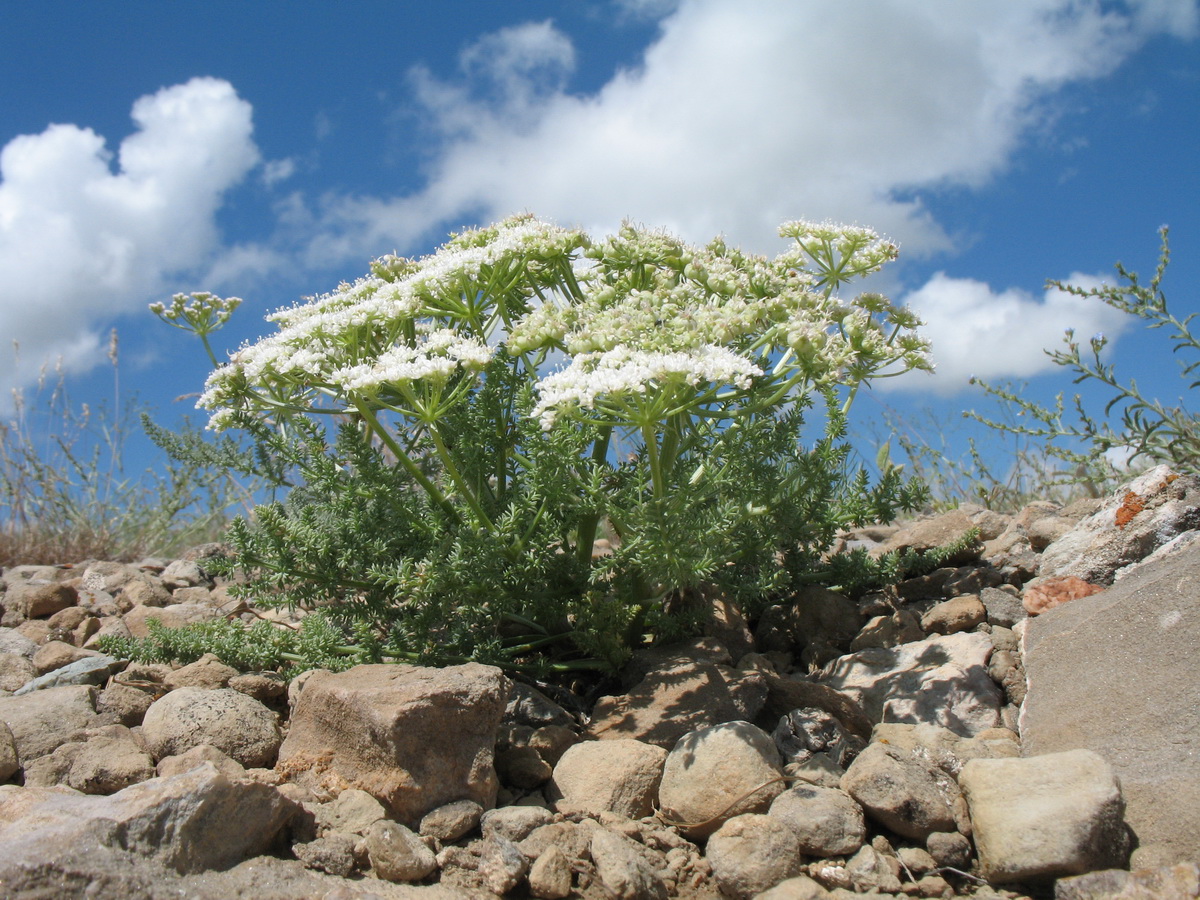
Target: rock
501, 865
236, 725
717, 773
415, 738
807, 731
623, 870
15, 671
124, 703
949, 848
826, 821
514, 823
572, 839
902, 791
550, 875
1046, 593
1133, 703
12, 641
1137, 519
957, 614
450, 822
56, 654
945, 749
351, 812
899, 627
183, 573
870, 870
752, 853
529, 706
9, 763
182, 822
668, 703
36, 600
91, 669
551, 742
1045, 817
46, 719
1003, 609
206, 672
198, 756
788, 694
176, 615
109, 760
265, 687
1179, 882
396, 854
939, 681
522, 768
613, 776
333, 853
928, 534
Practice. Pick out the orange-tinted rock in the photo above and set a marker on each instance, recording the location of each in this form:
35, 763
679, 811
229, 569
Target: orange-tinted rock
1046, 593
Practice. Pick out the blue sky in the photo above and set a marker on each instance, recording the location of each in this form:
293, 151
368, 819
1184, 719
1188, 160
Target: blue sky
270, 150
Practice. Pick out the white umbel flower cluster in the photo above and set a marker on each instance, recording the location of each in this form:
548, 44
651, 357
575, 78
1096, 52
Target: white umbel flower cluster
623, 371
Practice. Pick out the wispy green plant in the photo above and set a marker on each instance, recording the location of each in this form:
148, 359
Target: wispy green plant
1147, 431
454, 421
65, 494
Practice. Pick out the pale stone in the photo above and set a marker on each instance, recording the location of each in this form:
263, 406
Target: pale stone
717, 773
752, 853
613, 776
235, 724
1045, 817
396, 854
902, 791
622, 868
826, 821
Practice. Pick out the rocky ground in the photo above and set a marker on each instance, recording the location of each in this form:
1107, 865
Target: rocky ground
1023, 722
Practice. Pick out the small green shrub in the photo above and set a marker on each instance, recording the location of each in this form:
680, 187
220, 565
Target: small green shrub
1148, 431
461, 428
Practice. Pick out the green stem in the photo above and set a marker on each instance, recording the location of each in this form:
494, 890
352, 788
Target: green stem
656, 473
406, 461
586, 539
435, 432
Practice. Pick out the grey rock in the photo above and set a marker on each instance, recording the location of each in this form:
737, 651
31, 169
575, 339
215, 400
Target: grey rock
826, 821
869, 870
44, 720
717, 773
15, 671
902, 791
235, 724
396, 854
514, 823
550, 875
1136, 520
501, 865
940, 681
529, 706
333, 853
799, 888
752, 853
1178, 882
183, 823
623, 869
12, 641
949, 848
1134, 704
450, 822
808, 730
1003, 608
1045, 817
89, 670
9, 764
351, 812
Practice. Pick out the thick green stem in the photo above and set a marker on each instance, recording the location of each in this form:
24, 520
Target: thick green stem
586, 538
468, 495
656, 472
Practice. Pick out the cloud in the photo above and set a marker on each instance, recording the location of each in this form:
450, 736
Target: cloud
740, 116
1000, 335
81, 241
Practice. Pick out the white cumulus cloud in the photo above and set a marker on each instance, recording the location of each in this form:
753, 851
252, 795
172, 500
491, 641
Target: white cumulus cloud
743, 115
88, 235
994, 335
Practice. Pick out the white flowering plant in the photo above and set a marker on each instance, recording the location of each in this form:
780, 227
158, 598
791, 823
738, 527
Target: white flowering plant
532, 447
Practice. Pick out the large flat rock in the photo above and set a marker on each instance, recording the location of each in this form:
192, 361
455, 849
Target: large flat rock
1116, 673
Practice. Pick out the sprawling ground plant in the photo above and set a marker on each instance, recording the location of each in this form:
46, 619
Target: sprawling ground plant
1086, 447
464, 428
